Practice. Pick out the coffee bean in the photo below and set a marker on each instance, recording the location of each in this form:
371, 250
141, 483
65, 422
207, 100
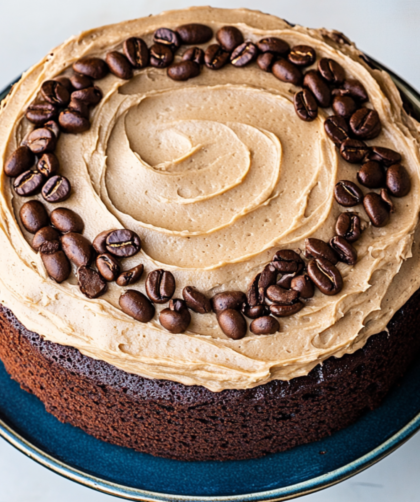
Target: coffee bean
130, 276
56, 189
302, 55
346, 252
337, 129
77, 249
80, 81
228, 300
316, 248
385, 156
90, 95
229, 37
57, 265
196, 301
313, 81
39, 113
183, 70
123, 243
326, 276
287, 261
53, 126
137, 52
28, 183
347, 194
303, 285
119, 65
305, 105
331, 71
286, 310
365, 123
386, 197
371, 175
46, 238
398, 180
73, 122
194, 33
21, 160
79, 107
94, 68
266, 325
65, 81
41, 140
255, 312
349, 226
215, 57
283, 296
55, 93
257, 288
91, 284
167, 37
161, 56
287, 72
160, 286
108, 266
273, 45
355, 89
354, 151
176, 318
377, 209
344, 106
336, 36
265, 61
99, 243
194, 54
33, 216
232, 323
285, 280
244, 54
66, 220
48, 164
136, 305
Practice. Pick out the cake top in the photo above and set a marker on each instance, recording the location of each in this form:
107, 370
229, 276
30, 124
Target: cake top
283, 186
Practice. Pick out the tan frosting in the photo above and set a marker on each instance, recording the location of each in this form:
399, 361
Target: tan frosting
215, 174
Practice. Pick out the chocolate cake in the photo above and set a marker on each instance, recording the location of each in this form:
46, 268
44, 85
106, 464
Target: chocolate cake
210, 234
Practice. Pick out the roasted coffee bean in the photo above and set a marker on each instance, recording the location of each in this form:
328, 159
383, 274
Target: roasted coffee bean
255, 312
48, 164
80, 81
305, 105
55, 93
123, 243
345, 251
273, 45
94, 68
108, 266
194, 54
41, 140
77, 249
331, 71
91, 284
66, 220
386, 197
194, 33
302, 55
335, 36
33, 216
215, 57
287, 261
90, 95
46, 235
286, 310
28, 183
398, 180
283, 296
313, 81
21, 160
385, 156
355, 89
228, 300
316, 248
176, 318
344, 106
65, 81
161, 56
136, 305
303, 285
73, 122
257, 288
119, 65
229, 37
39, 113
53, 126
349, 226
337, 129
79, 107
326, 276
57, 265
371, 175
56, 189
196, 301
160, 286
347, 193
232, 323
130, 276
285, 280
377, 209
137, 52
266, 325
99, 243
244, 54
365, 123
354, 151
285, 71
265, 61
167, 37
183, 70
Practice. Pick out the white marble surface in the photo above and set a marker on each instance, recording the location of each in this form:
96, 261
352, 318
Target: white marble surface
386, 29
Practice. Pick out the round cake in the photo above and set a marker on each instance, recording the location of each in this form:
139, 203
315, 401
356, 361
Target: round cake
209, 233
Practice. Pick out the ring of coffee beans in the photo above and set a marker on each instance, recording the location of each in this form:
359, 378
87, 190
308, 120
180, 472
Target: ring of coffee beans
288, 281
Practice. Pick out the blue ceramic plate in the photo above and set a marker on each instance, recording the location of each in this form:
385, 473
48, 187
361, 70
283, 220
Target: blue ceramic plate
135, 476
